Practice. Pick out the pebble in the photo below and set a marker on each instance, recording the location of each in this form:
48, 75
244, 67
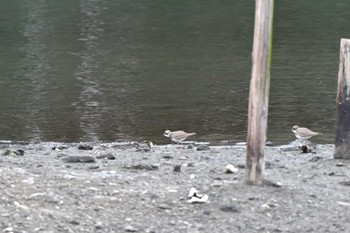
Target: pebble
203, 147
95, 166
143, 167
7, 151
79, 159
8, 229
85, 147
315, 159
108, 156
167, 157
59, 148
305, 149
229, 208
129, 228
98, 225
177, 168
230, 169
19, 152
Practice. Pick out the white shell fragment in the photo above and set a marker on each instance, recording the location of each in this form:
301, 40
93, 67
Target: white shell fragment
195, 197
229, 168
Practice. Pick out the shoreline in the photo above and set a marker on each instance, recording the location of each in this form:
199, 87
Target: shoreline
128, 188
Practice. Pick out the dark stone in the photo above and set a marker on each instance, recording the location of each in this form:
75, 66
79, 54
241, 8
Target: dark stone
109, 156
177, 168
19, 152
79, 159
268, 164
143, 167
206, 212
85, 147
190, 146
59, 148
203, 147
74, 222
167, 157
315, 159
345, 183
229, 208
271, 183
305, 149
190, 165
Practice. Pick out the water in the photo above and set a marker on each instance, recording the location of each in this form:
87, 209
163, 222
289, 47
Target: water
127, 70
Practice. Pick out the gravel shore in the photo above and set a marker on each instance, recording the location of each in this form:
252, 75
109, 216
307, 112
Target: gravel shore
56, 187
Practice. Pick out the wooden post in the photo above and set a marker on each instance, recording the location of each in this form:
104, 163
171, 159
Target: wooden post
342, 125
259, 92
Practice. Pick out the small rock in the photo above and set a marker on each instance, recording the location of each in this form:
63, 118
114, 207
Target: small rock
144, 146
108, 156
143, 167
19, 152
331, 173
305, 149
95, 166
345, 183
74, 222
273, 184
315, 159
130, 228
230, 169
98, 225
177, 168
190, 146
268, 164
85, 147
340, 164
79, 159
111, 157
229, 208
59, 148
203, 147
8, 229
7, 151
167, 157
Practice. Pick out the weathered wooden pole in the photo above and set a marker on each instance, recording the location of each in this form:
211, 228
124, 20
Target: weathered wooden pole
259, 92
342, 125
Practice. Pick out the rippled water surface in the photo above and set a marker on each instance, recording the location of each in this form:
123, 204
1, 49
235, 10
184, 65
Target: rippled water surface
127, 70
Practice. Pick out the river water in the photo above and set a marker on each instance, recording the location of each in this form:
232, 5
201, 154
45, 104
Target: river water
103, 70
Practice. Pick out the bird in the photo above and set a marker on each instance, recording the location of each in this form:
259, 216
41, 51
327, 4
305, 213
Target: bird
177, 136
303, 133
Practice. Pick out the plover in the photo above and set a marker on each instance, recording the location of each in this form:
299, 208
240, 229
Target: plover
177, 136
303, 133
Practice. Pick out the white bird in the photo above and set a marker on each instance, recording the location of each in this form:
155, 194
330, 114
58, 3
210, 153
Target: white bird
177, 136
303, 133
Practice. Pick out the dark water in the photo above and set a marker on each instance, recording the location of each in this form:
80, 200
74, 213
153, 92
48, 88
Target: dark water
94, 70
